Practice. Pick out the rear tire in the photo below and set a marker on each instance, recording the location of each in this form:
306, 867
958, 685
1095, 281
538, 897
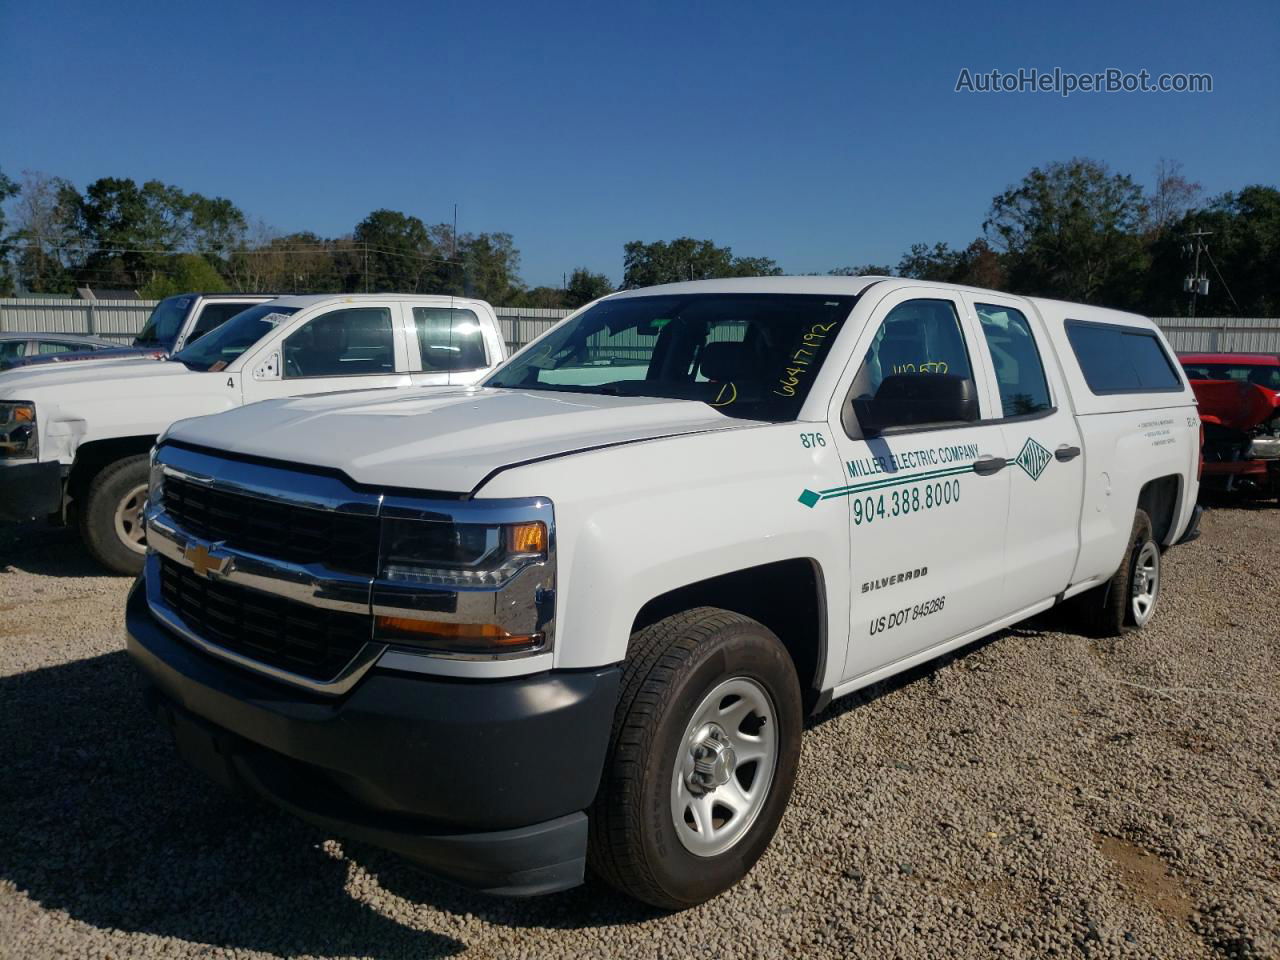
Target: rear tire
702, 758
111, 518
1128, 600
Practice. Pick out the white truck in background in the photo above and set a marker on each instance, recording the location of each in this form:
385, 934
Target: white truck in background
576, 614
74, 438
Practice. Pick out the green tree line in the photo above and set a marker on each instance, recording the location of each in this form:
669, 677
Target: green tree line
1073, 230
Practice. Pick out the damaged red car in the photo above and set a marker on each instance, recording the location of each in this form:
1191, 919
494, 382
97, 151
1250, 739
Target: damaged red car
1239, 395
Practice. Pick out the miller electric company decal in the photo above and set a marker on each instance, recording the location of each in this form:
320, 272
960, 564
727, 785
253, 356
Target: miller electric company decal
889, 493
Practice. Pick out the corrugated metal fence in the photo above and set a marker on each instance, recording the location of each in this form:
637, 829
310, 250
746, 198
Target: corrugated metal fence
121, 319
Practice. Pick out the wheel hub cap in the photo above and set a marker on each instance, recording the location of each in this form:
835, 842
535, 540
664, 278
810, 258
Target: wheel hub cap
724, 767
714, 761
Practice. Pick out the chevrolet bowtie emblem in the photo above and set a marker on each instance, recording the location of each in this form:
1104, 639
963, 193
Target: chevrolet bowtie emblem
203, 563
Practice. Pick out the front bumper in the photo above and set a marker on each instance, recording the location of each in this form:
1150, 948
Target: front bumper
29, 490
481, 782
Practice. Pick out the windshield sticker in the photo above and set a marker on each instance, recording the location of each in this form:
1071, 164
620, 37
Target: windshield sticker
804, 355
274, 319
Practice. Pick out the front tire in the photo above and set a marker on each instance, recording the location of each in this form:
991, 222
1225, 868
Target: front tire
111, 520
702, 758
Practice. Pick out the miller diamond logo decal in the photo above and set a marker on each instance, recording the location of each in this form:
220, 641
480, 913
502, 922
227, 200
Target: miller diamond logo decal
1033, 459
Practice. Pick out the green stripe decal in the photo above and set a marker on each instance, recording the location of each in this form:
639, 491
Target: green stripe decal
810, 498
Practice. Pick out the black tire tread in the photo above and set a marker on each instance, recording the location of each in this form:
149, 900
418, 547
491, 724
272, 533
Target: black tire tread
655, 656
97, 531
1109, 616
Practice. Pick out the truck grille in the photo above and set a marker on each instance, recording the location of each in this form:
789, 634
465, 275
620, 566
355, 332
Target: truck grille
294, 534
305, 640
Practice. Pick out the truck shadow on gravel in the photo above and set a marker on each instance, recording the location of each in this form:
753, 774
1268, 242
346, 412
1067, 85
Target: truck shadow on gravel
100, 819
47, 551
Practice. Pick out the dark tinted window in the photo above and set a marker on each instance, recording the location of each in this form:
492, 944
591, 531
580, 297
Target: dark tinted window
1019, 371
449, 339
162, 326
46, 347
916, 371
342, 343
749, 355
213, 316
1121, 359
222, 346
12, 349
1262, 376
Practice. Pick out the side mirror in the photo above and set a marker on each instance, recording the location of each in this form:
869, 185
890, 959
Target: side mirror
917, 399
268, 369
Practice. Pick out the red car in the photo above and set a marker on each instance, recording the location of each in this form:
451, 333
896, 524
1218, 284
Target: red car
1239, 395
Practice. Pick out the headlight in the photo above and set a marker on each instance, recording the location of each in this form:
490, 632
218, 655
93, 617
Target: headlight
452, 588
18, 436
444, 554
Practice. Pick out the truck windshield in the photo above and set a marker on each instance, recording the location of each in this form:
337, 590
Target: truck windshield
161, 329
218, 349
747, 355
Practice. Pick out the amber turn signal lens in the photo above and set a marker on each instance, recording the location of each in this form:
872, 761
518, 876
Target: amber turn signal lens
26, 415
453, 635
527, 537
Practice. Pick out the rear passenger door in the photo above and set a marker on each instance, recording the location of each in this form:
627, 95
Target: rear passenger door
926, 479
447, 346
1046, 482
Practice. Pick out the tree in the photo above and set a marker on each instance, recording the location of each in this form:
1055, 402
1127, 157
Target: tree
1172, 199
398, 253
1072, 230
45, 252
1243, 251
646, 264
977, 265
7, 189
866, 270
184, 273
585, 286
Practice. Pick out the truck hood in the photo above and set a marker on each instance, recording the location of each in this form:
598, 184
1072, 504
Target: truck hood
1235, 405
448, 441
143, 375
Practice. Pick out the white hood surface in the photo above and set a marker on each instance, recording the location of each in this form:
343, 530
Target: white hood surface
446, 441
145, 376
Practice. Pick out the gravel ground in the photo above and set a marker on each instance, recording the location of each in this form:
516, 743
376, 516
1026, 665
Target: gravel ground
1041, 795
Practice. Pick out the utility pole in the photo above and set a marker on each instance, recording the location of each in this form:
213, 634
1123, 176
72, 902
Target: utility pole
1197, 284
366, 267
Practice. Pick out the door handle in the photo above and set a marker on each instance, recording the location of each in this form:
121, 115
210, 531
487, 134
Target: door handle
1066, 453
985, 466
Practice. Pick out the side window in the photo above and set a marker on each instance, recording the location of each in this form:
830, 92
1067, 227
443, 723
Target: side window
1119, 359
449, 339
12, 349
1019, 371
213, 316
342, 343
47, 347
916, 372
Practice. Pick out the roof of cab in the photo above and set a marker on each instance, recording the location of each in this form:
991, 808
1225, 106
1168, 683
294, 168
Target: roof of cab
302, 301
852, 286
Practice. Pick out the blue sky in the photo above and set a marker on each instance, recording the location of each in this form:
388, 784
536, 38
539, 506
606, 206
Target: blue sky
817, 134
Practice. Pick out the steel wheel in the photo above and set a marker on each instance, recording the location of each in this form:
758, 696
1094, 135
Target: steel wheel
1146, 583
128, 519
725, 767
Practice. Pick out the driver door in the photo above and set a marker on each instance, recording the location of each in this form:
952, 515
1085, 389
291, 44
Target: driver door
347, 347
926, 485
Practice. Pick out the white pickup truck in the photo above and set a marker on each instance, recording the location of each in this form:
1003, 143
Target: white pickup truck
576, 615
74, 439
